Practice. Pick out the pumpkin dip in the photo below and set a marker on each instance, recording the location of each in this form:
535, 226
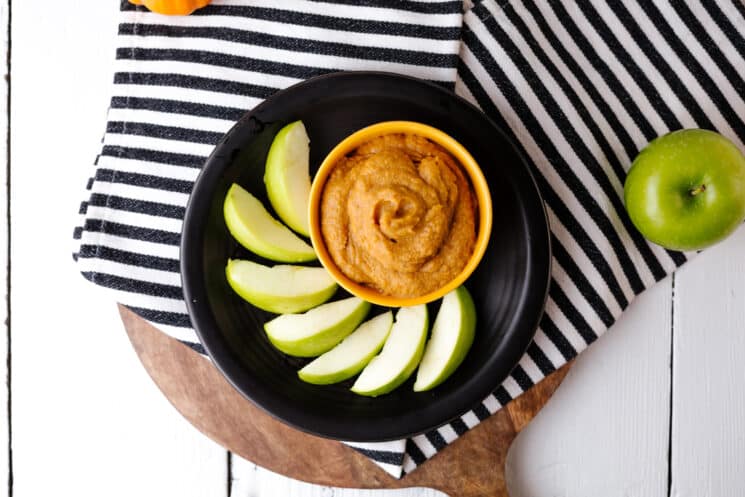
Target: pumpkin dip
399, 215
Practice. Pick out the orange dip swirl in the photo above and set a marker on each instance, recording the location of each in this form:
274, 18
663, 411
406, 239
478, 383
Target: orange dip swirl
398, 215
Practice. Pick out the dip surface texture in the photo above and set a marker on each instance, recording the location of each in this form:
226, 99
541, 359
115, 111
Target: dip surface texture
399, 215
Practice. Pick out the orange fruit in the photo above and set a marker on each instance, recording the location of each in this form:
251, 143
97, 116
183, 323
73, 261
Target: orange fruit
172, 7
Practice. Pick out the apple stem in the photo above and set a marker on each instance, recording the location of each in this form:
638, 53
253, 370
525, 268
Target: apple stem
695, 191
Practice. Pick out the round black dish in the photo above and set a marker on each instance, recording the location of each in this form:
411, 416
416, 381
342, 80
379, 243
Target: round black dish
509, 286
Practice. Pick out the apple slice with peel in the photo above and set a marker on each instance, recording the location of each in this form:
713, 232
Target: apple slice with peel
351, 355
254, 228
280, 289
318, 330
400, 356
452, 337
287, 177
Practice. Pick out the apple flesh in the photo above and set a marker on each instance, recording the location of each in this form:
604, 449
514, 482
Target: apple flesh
287, 176
280, 289
400, 356
351, 355
686, 189
452, 337
254, 228
318, 330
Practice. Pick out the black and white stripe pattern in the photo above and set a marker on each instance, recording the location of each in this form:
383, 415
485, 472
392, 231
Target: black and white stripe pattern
182, 82
580, 86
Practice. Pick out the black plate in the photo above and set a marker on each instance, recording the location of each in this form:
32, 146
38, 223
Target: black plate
509, 287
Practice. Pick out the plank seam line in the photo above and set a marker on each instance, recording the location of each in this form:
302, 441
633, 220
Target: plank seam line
671, 394
8, 361
229, 478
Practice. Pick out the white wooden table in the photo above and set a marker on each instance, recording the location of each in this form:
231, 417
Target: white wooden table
655, 408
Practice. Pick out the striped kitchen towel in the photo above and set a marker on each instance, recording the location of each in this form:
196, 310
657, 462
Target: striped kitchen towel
579, 85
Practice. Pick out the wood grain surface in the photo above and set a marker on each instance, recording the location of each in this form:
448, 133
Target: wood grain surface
708, 375
473, 466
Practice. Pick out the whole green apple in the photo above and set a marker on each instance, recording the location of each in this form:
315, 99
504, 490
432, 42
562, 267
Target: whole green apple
686, 189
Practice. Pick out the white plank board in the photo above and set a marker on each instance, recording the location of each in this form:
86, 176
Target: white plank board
708, 431
4, 438
87, 420
250, 480
605, 431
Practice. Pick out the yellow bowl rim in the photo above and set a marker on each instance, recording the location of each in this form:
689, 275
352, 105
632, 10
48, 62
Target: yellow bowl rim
467, 162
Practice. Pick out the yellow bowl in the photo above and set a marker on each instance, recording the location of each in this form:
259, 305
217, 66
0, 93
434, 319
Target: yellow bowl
466, 161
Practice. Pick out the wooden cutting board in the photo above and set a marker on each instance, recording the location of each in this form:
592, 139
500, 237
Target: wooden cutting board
473, 466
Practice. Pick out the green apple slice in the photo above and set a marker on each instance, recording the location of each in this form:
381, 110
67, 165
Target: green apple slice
351, 355
287, 177
281, 288
452, 337
318, 330
400, 356
254, 228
